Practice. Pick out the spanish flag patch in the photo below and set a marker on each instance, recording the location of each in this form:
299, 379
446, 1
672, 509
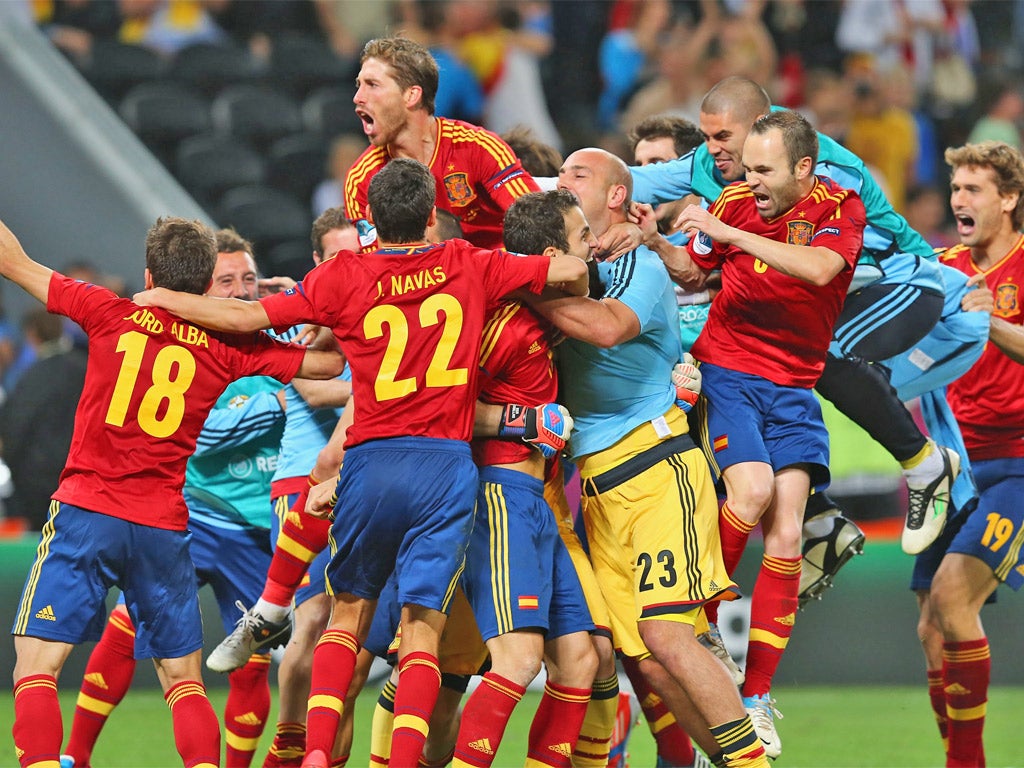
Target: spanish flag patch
721, 443
528, 603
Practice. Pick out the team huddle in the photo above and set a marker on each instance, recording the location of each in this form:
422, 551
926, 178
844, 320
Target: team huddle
478, 338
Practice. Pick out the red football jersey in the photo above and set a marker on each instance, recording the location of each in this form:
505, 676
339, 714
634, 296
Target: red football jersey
409, 321
515, 367
478, 177
151, 380
764, 322
988, 400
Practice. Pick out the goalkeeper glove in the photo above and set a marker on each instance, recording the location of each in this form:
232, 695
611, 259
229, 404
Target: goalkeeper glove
687, 380
545, 427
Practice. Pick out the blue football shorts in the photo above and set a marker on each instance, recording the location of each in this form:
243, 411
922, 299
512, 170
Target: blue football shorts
82, 555
743, 417
234, 562
992, 532
405, 505
518, 572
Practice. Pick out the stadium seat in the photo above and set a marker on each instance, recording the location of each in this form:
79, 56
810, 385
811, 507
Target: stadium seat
114, 67
162, 114
208, 164
329, 111
296, 164
292, 258
254, 114
300, 63
210, 67
264, 215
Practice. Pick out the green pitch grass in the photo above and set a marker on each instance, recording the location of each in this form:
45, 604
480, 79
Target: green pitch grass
823, 728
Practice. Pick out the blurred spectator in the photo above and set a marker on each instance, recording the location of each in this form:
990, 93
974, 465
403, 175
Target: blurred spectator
459, 95
803, 32
255, 23
628, 53
892, 32
8, 348
73, 25
1002, 108
679, 86
926, 211
503, 43
901, 94
38, 417
329, 192
42, 334
828, 104
883, 136
167, 26
741, 44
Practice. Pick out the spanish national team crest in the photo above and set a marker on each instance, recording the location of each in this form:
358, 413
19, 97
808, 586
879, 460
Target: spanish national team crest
1007, 300
800, 232
459, 190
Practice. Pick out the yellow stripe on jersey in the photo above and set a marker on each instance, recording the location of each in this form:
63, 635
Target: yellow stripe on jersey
42, 550
729, 194
371, 162
493, 329
494, 146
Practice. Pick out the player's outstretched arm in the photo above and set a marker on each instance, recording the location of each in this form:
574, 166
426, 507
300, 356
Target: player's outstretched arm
603, 323
570, 272
17, 267
231, 315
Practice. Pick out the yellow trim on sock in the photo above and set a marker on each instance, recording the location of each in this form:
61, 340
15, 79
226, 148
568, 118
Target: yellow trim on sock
918, 457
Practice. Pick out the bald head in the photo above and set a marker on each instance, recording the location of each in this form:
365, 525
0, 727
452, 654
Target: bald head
726, 114
740, 96
601, 182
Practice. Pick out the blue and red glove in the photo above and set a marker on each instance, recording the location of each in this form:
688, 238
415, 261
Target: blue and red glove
687, 380
546, 427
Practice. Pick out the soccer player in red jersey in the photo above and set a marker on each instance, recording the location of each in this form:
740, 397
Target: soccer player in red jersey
981, 549
409, 318
519, 578
477, 174
118, 517
786, 242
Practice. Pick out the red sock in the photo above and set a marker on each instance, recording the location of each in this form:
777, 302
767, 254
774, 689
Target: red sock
196, 730
419, 681
440, 762
484, 719
108, 676
38, 730
300, 541
734, 533
556, 726
334, 662
289, 746
966, 669
772, 614
937, 697
245, 713
674, 745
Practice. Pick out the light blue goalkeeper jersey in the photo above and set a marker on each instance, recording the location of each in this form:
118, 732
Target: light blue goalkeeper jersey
227, 481
886, 235
609, 392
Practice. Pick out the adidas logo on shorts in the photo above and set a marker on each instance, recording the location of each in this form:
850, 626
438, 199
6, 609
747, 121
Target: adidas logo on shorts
46, 614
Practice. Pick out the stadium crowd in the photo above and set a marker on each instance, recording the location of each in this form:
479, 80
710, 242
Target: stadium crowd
736, 231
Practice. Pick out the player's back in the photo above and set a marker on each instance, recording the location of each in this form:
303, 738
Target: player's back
409, 320
151, 380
